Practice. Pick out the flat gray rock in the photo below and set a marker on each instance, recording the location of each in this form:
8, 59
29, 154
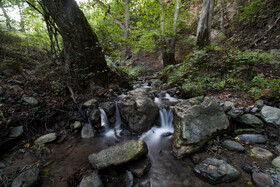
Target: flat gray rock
270, 115
27, 178
16, 132
118, 154
251, 120
235, 112
216, 171
92, 180
260, 153
252, 138
31, 101
262, 179
46, 138
90, 103
233, 146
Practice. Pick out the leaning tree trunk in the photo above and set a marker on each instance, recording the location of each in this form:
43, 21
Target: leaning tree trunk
204, 24
83, 52
8, 20
126, 32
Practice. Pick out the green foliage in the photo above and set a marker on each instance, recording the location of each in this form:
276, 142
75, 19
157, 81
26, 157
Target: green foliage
137, 71
252, 12
216, 69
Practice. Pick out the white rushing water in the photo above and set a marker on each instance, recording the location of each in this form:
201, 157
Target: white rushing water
166, 126
104, 120
118, 122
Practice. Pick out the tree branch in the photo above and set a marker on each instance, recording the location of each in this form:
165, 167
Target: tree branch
105, 7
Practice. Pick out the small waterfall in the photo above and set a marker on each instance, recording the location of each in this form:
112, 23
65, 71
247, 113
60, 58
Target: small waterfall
166, 126
104, 120
166, 117
118, 122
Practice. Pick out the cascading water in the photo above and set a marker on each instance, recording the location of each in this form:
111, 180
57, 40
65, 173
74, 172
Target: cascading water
166, 126
104, 120
118, 122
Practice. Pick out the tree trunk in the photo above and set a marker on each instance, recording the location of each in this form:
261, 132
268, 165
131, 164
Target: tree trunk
171, 54
22, 25
8, 20
222, 4
126, 31
83, 52
204, 24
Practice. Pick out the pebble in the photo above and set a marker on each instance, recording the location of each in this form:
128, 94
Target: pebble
261, 153
251, 120
88, 131
31, 101
262, 180
16, 132
233, 146
276, 162
46, 138
252, 138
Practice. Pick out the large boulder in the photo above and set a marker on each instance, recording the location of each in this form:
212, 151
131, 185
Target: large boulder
118, 154
271, 115
139, 112
196, 121
139, 92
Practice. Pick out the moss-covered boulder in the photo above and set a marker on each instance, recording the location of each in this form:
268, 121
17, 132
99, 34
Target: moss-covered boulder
119, 154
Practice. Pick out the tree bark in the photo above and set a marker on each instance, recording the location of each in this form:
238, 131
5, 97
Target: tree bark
222, 4
8, 20
126, 31
83, 53
204, 24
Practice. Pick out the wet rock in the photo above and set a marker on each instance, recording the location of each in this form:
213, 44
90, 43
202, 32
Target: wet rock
88, 131
1, 90
277, 149
95, 116
139, 113
262, 180
249, 169
138, 92
276, 162
119, 154
251, 120
254, 110
31, 101
233, 146
261, 153
27, 178
128, 179
16, 132
109, 108
125, 133
166, 134
91, 180
139, 167
172, 91
228, 105
46, 138
216, 171
2, 165
156, 83
252, 138
76, 125
235, 112
196, 121
271, 115
90, 103
259, 103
